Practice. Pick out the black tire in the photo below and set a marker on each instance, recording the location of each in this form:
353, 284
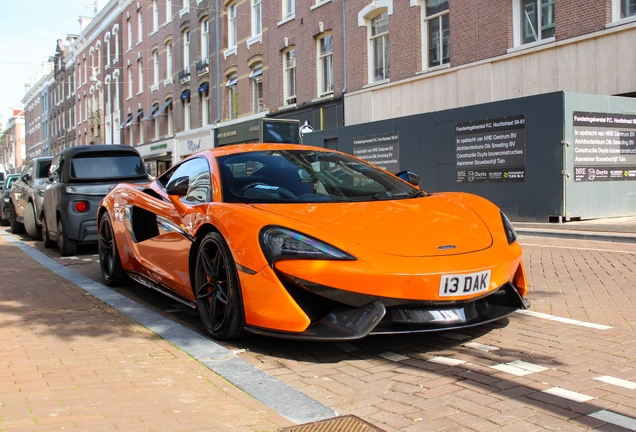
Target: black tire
217, 290
30, 222
68, 247
109, 261
16, 227
48, 243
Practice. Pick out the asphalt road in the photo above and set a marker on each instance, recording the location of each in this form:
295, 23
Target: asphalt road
568, 364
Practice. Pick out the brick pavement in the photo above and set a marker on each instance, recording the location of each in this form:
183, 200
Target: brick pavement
71, 362
529, 372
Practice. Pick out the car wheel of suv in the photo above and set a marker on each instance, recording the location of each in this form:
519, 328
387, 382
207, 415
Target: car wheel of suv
48, 243
16, 227
109, 262
30, 224
217, 289
67, 246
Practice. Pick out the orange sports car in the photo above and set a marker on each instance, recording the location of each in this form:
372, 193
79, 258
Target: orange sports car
308, 243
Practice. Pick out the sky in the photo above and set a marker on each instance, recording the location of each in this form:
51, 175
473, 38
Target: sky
29, 30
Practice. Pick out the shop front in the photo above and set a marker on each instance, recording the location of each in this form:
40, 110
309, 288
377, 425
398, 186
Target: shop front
157, 156
191, 142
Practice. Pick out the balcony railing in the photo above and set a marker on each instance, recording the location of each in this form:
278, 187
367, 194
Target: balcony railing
203, 66
184, 75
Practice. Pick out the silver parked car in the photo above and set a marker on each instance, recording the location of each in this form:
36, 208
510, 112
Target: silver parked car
26, 197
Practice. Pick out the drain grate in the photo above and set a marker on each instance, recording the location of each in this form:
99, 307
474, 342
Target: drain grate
337, 424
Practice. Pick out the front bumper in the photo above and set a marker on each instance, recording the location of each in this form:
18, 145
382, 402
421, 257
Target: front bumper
394, 316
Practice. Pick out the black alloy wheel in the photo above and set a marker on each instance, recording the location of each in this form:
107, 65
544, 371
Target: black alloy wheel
109, 261
217, 289
48, 243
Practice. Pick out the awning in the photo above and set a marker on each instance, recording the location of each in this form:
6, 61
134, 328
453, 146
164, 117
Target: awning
125, 122
161, 108
203, 87
231, 81
150, 113
139, 113
256, 71
185, 95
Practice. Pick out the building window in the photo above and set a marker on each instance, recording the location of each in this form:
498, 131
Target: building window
130, 35
186, 49
107, 43
168, 10
168, 61
140, 65
155, 121
257, 17
155, 68
186, 114
325, 65
437, 33
379, 47
205, 107
289, 9
116, 34
130, 82
205, 42
155, 15
232, 95
536, 21
289, 76
232, 30
256, 76
140, 26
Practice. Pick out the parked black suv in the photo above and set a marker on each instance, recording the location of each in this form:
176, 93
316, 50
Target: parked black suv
79, 178
27, 194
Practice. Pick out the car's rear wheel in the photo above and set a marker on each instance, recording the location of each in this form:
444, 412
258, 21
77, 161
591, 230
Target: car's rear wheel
217, 289
30, 223
109, 261
67, 246
48, 243
16, 227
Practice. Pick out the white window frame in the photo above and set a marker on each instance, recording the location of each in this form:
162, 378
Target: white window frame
257, 17
155, 121
140, 74
130, 82
187, 123
519, 18
116, 34
365, 19
232, 95
205, 108
155, 16
288, 10
168, 77
155, 70
107, 43
426, 42
130, 35
168, 11
324, 64
384, 39
205, 40
232, 28
289, 77
186, 49
256, 77
140, 26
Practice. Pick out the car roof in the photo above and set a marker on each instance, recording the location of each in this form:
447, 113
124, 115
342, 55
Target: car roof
72, 151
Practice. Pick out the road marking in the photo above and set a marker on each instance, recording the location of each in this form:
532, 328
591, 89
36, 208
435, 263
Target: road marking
519, 368
577, 248
617, 382
393, 356
615, 419
446, 361
568, 394
564, 320
480, 347
71, 258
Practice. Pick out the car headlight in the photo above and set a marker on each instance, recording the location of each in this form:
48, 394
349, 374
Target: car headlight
281, 243
511, 234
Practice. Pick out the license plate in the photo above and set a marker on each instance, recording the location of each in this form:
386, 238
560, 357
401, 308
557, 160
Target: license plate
464, 284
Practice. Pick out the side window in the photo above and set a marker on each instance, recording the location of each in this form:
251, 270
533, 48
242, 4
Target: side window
198, 171
28, 171
54, 170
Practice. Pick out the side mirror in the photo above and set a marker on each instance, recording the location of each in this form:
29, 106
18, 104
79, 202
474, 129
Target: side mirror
179, 186
26, 178
410, 177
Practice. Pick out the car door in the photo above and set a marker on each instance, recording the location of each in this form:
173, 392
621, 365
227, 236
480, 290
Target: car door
51, 196
19, 192
165, 253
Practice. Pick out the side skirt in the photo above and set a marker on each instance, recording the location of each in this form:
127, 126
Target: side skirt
148, 283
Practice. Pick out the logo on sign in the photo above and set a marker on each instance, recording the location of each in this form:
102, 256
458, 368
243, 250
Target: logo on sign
194, 145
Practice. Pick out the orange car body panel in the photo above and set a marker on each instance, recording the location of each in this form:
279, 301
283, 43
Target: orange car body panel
379, 234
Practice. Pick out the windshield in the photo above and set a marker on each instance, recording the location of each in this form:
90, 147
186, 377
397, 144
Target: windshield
112, 166
306, 176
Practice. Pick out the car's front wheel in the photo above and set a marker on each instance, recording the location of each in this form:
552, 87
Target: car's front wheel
48, 243
16, 227
67, 246
217, 289
109, 261
30, 223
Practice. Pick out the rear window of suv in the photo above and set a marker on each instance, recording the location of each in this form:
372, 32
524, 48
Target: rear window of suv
107, 166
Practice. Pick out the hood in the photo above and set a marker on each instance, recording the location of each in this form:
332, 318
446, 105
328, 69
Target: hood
435, 225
